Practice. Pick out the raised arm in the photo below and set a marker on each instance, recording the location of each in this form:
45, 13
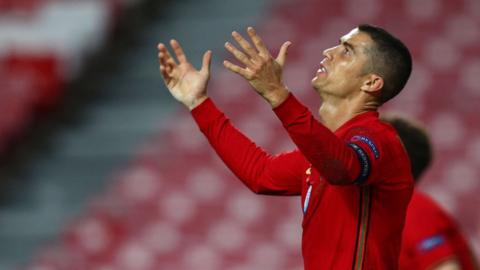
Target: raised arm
261, 172
338, 162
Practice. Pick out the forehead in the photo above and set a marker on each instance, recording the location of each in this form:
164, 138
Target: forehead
357, 38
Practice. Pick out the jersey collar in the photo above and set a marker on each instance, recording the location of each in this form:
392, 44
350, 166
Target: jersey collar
359, 118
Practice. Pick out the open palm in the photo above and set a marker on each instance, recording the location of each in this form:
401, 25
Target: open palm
186, 84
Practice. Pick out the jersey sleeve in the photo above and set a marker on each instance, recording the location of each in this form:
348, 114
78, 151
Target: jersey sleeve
379, 154
259, 171
335, 159
429, 236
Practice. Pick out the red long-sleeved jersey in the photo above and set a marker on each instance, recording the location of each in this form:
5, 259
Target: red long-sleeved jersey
355, 184
431, 236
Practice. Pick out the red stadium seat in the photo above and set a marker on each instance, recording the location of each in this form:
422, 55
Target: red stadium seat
43, 74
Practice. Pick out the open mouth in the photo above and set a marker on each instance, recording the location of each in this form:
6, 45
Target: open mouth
322, 70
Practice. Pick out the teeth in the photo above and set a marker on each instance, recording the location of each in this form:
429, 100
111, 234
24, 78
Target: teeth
322, 69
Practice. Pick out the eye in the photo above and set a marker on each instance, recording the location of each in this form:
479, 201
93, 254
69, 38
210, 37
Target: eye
346, 50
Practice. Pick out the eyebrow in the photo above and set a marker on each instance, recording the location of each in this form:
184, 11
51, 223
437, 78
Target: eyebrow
347, 44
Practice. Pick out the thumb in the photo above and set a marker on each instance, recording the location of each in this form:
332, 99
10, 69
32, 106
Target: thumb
282, 55
207, 59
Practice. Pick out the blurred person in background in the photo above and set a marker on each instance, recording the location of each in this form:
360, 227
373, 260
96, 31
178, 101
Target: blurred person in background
351, 169
431, 238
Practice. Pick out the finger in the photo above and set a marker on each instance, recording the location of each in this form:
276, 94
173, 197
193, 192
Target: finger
257, 41
167, 79
161, 47
240, 56
282, 54
178, 51
207, 60
164, 74
166, 69
164, 55
240, 71
162, 58
167, 62
252, 52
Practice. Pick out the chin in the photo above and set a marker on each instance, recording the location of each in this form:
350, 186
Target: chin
315, 82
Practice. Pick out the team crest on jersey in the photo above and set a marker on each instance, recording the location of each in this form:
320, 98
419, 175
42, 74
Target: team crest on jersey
431, 243
369, 142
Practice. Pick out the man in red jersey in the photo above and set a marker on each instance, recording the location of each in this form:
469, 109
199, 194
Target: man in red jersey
351, 170
431, 238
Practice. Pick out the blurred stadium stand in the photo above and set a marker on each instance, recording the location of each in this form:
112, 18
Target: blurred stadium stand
132, 185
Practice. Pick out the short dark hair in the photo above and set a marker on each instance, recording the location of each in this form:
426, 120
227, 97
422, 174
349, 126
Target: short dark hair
416, 142
390, 59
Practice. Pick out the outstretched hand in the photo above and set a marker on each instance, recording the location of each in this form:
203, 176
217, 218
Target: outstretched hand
186, 84
261, 70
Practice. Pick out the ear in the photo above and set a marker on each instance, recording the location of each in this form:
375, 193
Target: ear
372, 84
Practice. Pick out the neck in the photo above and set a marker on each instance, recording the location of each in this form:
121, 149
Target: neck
336, 111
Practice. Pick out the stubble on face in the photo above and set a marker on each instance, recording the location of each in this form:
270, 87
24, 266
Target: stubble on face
344, 65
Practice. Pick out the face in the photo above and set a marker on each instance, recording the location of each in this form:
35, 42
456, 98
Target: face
342, 71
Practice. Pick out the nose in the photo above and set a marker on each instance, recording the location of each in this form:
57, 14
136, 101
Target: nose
328, 53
